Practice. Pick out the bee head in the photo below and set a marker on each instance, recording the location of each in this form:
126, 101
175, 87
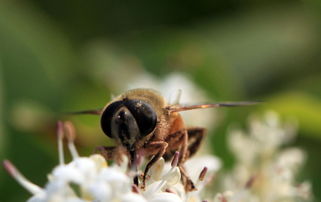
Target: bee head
128, 120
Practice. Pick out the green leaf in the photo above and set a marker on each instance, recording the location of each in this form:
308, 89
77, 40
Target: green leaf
303, 107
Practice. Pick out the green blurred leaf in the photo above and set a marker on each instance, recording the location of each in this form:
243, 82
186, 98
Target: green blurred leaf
2, 133
303, 107
36, 57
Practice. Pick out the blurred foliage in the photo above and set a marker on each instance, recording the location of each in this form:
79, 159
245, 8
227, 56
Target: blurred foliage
59, 56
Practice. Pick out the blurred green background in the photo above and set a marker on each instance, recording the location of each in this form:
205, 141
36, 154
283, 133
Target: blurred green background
58, 56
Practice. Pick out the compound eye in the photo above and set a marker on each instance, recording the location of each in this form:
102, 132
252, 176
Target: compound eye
107, 116
145, 116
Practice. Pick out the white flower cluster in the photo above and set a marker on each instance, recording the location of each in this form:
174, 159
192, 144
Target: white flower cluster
264, 172
87, 179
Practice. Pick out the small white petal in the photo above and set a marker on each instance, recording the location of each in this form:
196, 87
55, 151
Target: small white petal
72, 199
153, 188
130, 197
99, 161
100, 191
58, 188
165, 197
37, 198
86, 166
291, 158
194, 166
157, 169
119, 182
173, 176
67, 174
304, 190
114, 175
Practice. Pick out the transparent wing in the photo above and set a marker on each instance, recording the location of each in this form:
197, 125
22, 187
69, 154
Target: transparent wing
178, 108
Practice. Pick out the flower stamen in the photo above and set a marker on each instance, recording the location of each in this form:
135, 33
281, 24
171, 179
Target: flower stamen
250, 182
202, 174
71, 135
22, 180
135, 188
60, 136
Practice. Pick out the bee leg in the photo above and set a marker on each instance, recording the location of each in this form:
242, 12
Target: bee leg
160, 147
183, 147
187, 182
190, 143
111, 153
174, 141
195, 137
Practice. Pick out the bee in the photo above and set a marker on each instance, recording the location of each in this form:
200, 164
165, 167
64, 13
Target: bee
142, 122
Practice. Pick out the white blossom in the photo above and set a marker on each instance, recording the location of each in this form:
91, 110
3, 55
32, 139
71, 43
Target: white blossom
91, 179
264, 171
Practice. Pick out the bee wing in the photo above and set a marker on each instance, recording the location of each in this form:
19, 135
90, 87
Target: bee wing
179, 108
90, 111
